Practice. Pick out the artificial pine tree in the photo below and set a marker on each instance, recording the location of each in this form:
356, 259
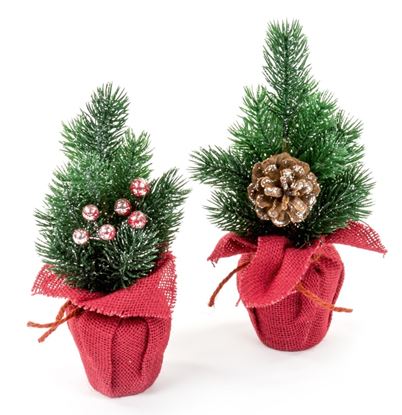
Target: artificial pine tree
106, 231
104, 157
291, 183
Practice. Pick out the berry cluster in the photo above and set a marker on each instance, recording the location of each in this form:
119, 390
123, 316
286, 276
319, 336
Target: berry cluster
136, 219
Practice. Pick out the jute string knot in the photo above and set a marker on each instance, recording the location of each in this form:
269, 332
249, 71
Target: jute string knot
60, 319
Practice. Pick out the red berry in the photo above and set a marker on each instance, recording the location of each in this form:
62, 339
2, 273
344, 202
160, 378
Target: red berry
137, 220
139, 187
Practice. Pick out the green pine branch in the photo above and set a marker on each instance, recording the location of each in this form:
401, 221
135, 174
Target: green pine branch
164, 205
342, 199
220, 168
259, 133
287, 71
100, 127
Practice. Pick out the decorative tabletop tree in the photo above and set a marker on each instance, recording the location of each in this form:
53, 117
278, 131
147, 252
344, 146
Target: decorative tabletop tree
290, 185
106, 231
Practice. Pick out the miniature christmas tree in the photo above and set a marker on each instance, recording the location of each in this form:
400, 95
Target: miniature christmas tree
290, 185
106, 233
104, 226
288, 116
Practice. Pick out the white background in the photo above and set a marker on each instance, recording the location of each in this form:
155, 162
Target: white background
184, 65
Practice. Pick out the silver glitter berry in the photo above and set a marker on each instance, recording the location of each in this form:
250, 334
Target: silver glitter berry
107, 232
90, 212
80, 236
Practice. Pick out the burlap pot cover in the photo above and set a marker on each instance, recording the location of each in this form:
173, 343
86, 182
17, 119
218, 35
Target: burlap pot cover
283, 318
121, 336
295, 322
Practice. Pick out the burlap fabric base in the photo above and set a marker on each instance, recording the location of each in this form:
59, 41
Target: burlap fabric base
121, 336
283, 318
296, 322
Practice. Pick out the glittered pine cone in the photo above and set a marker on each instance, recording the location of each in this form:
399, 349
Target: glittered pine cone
283, 189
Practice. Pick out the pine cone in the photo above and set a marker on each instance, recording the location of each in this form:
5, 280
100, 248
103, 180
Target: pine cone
283, 189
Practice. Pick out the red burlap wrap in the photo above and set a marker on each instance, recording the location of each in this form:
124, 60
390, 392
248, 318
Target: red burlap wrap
121, 336
283, 318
